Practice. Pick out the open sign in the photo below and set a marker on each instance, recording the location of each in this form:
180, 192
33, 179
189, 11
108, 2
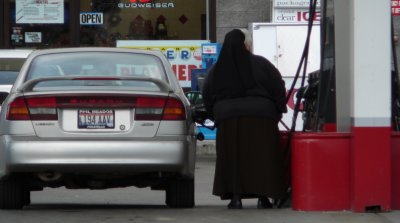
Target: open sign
91, 18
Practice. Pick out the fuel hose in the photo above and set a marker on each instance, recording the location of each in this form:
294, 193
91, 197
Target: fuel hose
303, 64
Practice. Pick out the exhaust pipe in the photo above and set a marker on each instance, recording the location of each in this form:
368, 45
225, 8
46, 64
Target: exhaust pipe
49, 176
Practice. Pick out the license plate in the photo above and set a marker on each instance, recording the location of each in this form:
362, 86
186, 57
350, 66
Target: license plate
96, 118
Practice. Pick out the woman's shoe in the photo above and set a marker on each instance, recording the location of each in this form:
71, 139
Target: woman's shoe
236, 202
264, 203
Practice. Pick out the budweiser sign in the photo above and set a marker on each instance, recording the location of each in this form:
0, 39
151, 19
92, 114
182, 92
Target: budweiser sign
146, 4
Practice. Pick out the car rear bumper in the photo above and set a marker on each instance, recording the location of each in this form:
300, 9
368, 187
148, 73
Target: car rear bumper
32, 154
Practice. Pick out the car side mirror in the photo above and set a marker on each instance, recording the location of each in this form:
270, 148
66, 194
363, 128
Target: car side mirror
3, 96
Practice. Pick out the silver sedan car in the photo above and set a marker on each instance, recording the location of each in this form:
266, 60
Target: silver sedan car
96, 118
11, 61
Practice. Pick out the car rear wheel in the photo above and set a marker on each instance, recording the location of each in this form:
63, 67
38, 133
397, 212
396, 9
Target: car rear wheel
12, 193
180, 193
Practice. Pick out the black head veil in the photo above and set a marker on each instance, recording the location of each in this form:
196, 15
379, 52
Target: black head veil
232, 73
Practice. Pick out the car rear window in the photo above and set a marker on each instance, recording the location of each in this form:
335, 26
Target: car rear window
95, 64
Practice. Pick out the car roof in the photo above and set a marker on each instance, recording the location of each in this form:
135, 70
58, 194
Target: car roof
15, 53
96, 49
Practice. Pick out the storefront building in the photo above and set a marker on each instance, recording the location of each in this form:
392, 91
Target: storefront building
72, 23
68, 23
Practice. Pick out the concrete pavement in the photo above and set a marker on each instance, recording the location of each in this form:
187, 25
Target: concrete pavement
205, 148
143, 205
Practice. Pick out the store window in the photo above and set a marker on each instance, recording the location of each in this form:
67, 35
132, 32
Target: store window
102, 22
39, 23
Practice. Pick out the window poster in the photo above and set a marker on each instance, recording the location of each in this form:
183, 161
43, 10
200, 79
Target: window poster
16, 36
33, 37
39, 11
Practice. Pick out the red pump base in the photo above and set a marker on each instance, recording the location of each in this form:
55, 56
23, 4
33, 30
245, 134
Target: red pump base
358, 171
320, 171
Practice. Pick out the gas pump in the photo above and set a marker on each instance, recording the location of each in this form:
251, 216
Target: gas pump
205, 127
209, 56
350, 136
319, 110
347, 157
395, 82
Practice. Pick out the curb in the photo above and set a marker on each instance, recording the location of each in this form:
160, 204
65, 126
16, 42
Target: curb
206, 148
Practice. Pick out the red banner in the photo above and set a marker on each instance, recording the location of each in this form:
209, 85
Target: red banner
396, 7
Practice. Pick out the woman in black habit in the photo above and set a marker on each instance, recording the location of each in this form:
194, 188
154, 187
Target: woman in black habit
245, 94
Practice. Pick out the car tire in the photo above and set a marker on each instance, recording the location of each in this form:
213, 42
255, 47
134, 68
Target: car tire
180, 193
12, 193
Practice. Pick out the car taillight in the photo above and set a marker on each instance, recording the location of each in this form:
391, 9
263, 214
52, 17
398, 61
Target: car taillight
42, 108
38, 108
18, 110
148, 108
174, 110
